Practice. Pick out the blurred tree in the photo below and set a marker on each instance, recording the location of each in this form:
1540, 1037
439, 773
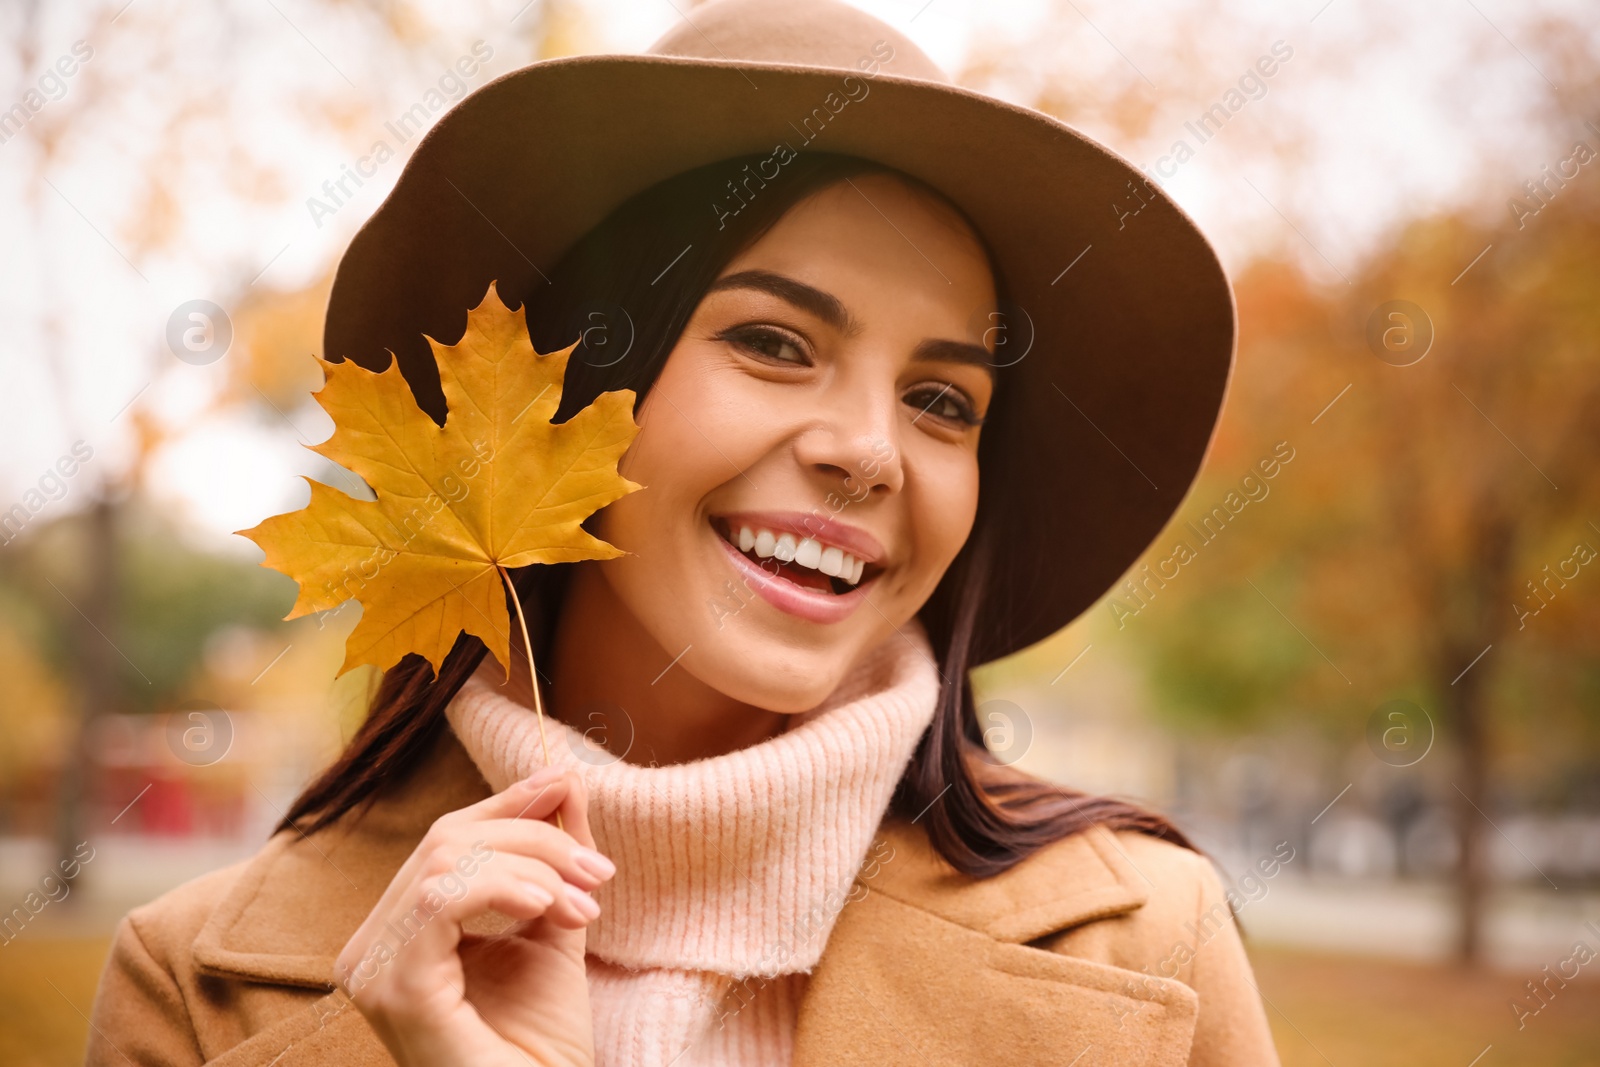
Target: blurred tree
62, 614
1420, 526
206, 124
1438, 536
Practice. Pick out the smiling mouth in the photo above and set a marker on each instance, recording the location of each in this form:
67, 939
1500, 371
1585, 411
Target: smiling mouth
805, 561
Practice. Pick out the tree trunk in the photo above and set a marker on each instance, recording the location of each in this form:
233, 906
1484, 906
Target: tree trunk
1476, 623
1465, 710
93, 618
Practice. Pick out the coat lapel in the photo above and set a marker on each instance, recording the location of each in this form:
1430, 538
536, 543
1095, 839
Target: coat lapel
926, 966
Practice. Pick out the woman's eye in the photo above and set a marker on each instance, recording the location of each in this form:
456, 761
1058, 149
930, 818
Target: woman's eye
769, 344
944, 402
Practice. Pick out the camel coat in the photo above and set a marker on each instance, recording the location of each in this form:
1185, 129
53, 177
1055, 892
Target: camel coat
1103, 950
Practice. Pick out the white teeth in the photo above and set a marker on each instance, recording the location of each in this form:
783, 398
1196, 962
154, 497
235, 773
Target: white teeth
808, 552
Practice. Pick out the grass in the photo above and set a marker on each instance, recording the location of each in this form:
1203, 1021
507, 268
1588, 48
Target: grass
1325, 1010
46, 989
1367, 1013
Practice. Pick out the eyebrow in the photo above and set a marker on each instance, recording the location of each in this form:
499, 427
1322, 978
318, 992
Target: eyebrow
829, 309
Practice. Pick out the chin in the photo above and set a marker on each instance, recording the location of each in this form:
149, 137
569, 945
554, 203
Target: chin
757, 669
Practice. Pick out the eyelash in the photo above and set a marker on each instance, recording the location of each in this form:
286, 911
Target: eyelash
743, 336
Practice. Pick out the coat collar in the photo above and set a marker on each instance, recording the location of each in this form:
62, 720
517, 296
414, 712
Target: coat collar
921, 953
931, 966
1085, 877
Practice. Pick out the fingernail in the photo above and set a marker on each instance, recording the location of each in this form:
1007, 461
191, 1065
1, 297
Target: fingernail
538, 894
593, 862
582, 901
543, 776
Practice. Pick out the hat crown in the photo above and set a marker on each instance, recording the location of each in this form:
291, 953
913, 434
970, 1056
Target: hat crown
810, 33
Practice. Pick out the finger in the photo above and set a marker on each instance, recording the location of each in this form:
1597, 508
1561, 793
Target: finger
532, 799
425, 917
425, 929
537, 796
519, 887
573, 908
585, 867
544, 795
574, 809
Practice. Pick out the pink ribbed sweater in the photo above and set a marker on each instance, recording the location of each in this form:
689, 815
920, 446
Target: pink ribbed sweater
730, 870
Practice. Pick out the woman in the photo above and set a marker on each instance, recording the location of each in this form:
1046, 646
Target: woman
769, 831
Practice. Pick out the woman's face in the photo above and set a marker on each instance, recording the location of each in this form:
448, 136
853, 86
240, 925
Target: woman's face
809, 452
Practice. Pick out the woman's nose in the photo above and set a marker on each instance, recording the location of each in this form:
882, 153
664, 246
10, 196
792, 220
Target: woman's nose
854, 444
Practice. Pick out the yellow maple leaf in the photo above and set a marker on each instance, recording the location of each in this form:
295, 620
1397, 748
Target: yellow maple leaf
497, 486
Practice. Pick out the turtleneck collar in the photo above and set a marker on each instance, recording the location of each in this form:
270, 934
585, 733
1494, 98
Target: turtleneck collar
736, 864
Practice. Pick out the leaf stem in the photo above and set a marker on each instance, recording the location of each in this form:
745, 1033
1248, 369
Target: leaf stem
533, 673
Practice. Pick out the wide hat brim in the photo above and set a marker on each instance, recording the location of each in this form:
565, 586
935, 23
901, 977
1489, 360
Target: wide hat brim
1132, 314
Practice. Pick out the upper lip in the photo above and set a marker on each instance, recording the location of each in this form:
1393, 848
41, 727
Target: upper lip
852, 539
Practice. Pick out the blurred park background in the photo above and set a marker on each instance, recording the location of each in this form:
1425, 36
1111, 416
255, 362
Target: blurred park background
1368, 641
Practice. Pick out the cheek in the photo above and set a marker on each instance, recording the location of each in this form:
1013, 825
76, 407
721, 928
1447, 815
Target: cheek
659, 526
667, 459
696, 434
701, 425
942, 514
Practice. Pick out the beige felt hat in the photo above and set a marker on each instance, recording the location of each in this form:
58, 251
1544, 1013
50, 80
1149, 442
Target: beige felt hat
1131, 319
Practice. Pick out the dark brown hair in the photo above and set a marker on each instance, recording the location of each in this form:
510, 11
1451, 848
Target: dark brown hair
613, 293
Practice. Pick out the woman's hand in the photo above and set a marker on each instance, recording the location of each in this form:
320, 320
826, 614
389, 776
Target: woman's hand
441, 997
